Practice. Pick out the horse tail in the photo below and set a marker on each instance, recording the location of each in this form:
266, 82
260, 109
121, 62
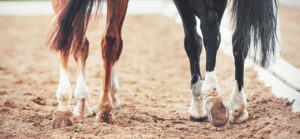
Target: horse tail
255, 25
71, 24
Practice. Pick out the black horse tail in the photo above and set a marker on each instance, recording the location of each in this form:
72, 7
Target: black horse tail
255, 25
71, 24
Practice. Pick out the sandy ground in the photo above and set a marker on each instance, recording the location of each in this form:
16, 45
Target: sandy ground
154, 87
290, 33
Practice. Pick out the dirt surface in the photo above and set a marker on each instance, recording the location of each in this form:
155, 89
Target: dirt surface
154, 91
290, 32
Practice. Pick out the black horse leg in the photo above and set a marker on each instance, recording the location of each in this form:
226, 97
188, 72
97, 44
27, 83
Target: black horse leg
193, 47
210, 13
238, 100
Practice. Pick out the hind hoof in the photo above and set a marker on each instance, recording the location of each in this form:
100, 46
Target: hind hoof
217, 111
106, 117
239, 118
62, 119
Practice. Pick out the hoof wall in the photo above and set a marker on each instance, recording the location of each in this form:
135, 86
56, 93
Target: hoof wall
107, 117
62, 119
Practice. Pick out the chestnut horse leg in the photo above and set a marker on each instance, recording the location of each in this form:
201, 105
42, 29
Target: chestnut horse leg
64, 91
63, 114
81, 91
111, 50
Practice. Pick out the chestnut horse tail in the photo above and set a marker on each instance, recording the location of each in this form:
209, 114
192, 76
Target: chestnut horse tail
255, 23
71, 24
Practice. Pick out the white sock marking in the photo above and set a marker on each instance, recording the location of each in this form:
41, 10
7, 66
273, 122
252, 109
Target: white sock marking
237, 99
115, 85
81, 90
197, 107
114, 79
210, 83
64, 88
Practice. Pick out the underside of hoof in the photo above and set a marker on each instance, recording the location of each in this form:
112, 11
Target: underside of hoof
62, 119
217, 111
239, 118
106, 117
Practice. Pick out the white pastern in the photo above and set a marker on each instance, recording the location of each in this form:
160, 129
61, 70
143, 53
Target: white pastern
81, 90
197, 107
115, 85
81, 94
238, 100
210, 83
64, 90
238, 104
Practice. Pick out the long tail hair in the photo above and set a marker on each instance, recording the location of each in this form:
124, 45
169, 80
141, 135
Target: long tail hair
255, 23
71, 24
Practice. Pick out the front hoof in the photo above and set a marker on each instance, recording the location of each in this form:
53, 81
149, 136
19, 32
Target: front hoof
106, 117
239, 118
62, 119
217, 111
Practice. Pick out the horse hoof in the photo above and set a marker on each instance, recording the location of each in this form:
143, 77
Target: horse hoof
106, 117
239, 118
218, 114
62, 119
